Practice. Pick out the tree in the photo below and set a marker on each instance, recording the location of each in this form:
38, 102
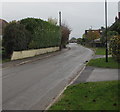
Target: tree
15, 38
52, 21
73, 40
110, 34
65, 32
79, 40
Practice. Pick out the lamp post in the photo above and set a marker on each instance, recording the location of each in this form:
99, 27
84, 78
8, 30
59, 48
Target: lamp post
106, 30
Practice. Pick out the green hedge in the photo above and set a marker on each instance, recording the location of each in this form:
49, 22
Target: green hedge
43, 33
115, 47
30, 33
15, 38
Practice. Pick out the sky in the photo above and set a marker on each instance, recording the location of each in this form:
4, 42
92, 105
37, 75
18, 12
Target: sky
79, 16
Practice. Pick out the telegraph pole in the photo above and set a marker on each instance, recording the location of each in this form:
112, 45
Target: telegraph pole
60, 18
106, 30
60, 28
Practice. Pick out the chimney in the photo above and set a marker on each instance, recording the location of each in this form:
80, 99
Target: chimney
119, 10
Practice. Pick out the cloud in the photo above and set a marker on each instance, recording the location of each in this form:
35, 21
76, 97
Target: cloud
79, 16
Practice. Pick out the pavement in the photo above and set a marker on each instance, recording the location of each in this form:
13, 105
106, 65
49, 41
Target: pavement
94, 74
34, 85
100, 56
31, 59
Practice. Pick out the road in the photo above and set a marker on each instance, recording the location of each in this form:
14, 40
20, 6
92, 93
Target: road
33, 86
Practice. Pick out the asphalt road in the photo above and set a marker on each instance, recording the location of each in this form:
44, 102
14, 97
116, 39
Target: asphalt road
33, 86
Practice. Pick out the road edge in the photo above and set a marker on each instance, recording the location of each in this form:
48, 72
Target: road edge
32, 60
70, 83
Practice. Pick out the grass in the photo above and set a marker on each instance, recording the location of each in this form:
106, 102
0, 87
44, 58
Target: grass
5, 60
100, 51
90, 96
101, 62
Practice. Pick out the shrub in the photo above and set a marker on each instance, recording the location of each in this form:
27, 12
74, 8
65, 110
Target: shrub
15, 38
115, 47
65, 32
30, 33
43, 34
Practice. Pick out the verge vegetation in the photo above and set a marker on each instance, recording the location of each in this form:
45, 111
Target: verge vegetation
100, 51
101, 62
90, 96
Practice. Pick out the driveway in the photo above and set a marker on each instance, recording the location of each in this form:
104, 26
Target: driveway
94, 74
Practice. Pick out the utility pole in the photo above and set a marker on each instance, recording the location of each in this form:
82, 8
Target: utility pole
60, 28
106, 30
60, 18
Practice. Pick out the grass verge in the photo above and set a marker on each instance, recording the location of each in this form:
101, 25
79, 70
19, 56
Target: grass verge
6, 60
100, 51
101, 62
90, 96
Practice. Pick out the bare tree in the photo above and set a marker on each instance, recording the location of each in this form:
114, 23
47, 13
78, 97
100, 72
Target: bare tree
65, 32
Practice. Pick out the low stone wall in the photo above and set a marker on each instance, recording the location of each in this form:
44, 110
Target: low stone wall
30, 53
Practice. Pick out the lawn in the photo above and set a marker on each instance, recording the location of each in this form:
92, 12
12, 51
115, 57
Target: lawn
101, 62
100, 51
5, 60
90, 96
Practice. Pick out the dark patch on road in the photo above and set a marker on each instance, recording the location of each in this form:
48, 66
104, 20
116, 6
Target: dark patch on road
84, 75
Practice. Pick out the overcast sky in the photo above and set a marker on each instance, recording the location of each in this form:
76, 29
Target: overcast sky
79, 16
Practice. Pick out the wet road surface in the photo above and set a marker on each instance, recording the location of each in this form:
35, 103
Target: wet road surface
33, 86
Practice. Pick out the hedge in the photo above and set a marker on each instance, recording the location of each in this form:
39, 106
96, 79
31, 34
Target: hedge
15, 38
30, 33
115, 47
43, 33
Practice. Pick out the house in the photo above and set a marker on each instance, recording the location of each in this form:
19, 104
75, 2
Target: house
99, 31
97, 34
3, 24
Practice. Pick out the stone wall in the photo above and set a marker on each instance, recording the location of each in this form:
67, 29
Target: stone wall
30, 53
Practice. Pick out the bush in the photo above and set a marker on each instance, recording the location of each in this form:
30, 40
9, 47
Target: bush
115, 47
65, 32
30, 33
44, 34
15, 38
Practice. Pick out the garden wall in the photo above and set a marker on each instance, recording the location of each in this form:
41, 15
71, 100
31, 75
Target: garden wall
30, 53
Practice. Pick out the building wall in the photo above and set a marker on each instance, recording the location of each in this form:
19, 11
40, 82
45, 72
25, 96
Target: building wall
30, 53
99, 31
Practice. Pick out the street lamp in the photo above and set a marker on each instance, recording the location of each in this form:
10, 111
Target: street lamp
106, 30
